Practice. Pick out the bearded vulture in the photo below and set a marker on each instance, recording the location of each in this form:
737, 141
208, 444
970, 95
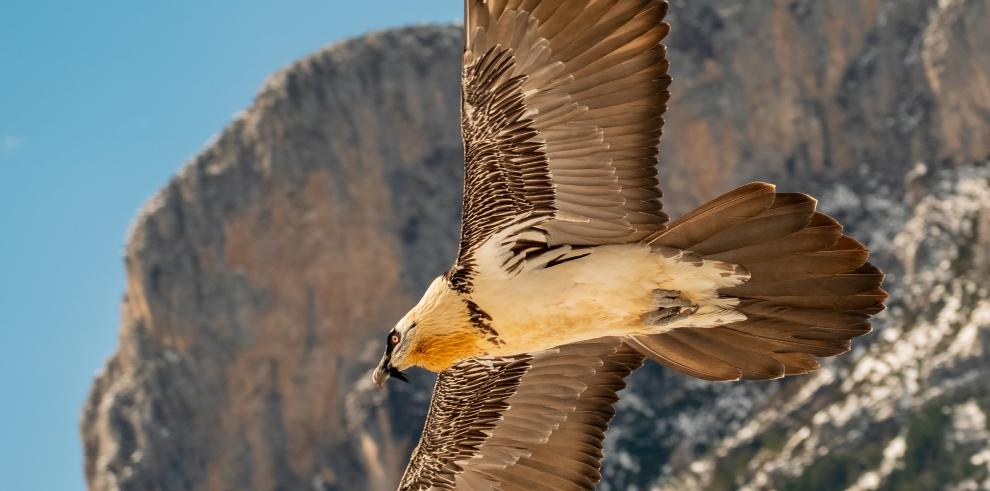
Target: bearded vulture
569, 275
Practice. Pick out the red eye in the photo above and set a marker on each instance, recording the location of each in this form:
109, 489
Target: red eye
394, 338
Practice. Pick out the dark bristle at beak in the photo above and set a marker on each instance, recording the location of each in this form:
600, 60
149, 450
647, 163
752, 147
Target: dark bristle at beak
386, 371
395, 373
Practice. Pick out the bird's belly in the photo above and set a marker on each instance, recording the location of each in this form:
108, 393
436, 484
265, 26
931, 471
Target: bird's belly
604, 294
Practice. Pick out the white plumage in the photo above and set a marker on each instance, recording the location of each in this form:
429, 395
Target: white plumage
605, 293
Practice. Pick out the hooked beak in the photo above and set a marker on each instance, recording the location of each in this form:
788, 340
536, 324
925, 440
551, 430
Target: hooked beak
385, 371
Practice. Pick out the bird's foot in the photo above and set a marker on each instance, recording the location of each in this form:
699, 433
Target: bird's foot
670, 307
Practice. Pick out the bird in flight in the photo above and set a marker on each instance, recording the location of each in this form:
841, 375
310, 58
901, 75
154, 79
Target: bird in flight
569, 275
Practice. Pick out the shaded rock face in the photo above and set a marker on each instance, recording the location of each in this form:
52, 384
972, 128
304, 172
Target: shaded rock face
262, 281
263, 278
794, 91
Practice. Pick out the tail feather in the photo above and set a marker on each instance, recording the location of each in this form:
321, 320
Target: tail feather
837, 319
836, 259
828, 282
821, 230
861, 301
730, 210
810, 291
681, 356
781, 219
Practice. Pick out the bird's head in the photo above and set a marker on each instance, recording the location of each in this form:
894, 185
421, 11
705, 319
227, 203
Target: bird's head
434, 335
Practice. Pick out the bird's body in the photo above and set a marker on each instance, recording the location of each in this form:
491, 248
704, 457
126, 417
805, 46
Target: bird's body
569, 275
573, 301
609, 290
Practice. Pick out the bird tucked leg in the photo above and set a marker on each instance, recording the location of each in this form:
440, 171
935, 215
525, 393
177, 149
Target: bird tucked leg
670, 307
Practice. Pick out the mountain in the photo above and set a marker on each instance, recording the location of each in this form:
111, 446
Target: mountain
262, 279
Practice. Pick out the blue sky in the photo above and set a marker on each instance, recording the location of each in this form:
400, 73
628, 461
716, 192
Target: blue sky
100, 103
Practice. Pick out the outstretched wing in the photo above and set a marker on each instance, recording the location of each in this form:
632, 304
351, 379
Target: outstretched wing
562, 104
530, 422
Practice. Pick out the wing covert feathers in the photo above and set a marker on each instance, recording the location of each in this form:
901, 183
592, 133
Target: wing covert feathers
562, 109
535, 421
810, 290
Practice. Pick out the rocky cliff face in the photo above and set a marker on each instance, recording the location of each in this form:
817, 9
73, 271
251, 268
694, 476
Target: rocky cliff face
262, 277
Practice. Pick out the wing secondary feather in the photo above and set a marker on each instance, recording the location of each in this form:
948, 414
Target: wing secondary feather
535, 421
562, 109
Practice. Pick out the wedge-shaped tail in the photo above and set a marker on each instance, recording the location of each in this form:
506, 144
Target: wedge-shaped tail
811, 289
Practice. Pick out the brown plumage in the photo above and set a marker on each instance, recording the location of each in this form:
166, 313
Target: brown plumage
810, 289
568, 275
575, 90
528, 422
